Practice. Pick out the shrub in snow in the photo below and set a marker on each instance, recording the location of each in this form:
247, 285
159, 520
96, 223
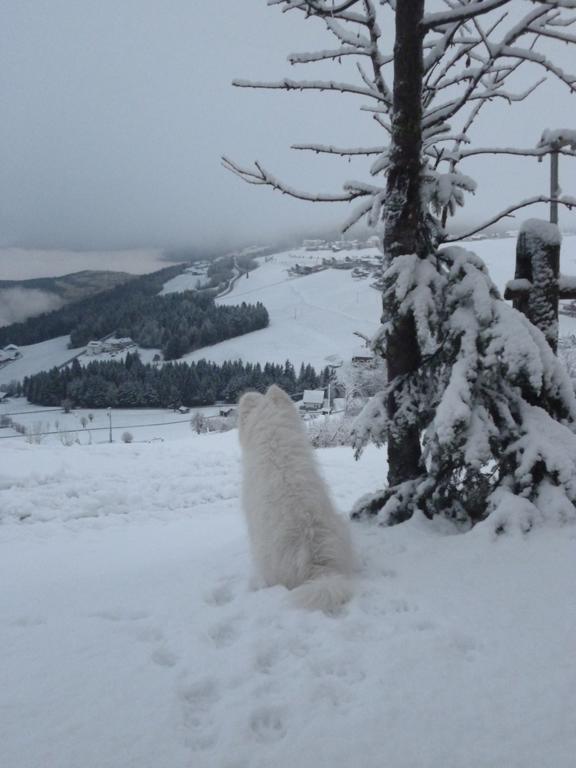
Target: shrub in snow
327, 433
495, 407
221, 423
68, 438
127, 437
34, 432
199, 423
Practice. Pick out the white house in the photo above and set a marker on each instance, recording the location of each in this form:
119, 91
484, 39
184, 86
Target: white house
312, 400
94, 348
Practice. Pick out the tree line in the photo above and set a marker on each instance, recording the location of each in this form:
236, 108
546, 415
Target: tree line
176, 323
133, 384
64, 320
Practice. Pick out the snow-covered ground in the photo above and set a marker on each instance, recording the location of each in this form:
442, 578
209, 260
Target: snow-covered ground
37, 357
130, 638
25, 264
90, 426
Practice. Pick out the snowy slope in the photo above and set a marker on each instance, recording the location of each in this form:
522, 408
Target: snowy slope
37, 357
315, 316
311, 317
130, 639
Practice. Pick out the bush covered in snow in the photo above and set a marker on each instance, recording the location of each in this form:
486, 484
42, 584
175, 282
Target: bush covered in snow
330, 432
495, 406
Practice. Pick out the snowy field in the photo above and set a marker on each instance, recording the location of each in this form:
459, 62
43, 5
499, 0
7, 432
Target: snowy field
55, 352
130, 639
25, 264
91, 426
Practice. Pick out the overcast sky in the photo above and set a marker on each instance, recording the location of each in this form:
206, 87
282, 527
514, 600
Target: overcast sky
115, 114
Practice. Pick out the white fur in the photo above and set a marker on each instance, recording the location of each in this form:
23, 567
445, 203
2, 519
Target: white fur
296, 537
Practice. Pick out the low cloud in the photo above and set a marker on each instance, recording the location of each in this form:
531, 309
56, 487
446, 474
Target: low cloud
17, 304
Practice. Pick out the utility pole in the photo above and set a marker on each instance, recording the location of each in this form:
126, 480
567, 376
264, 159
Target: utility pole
554, 186
110, 424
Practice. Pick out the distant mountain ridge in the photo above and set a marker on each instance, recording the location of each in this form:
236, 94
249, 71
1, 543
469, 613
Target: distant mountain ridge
74, 286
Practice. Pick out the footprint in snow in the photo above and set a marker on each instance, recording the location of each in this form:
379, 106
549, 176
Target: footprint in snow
122, 614
267, 726
164, 657
28, 621
223, 634
197, 700
221, 595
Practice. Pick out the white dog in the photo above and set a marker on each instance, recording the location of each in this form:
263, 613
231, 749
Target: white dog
297, 538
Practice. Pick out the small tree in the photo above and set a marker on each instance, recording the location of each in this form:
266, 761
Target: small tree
127, 437
199, 423
447, 67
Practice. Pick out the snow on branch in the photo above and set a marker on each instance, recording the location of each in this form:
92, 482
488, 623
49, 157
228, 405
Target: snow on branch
558, 138
328, 149
506, 212
335, 53
307, 85
540, 151
323, 8
462, 13
260, 176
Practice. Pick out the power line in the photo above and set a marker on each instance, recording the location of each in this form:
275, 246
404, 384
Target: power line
99, 429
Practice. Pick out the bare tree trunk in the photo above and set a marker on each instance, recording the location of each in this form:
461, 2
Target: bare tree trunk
405, 226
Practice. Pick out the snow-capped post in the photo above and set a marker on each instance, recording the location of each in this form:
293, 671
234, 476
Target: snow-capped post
535, 289
537, 286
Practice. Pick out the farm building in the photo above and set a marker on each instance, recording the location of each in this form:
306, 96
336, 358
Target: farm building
312, 400
11, 352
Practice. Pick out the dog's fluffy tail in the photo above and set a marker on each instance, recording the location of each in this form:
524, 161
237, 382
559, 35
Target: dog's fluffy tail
327, 592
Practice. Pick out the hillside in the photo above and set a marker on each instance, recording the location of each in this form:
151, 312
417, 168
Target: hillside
21, 299
312, 317
72, 287
27, 263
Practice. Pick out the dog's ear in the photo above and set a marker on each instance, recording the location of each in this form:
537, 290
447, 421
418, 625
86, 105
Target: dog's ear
278, 395
246, 405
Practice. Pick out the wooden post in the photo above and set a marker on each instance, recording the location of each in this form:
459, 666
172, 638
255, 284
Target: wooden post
537, 285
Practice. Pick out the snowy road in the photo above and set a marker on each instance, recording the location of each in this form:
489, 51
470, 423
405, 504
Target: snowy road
130, 640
